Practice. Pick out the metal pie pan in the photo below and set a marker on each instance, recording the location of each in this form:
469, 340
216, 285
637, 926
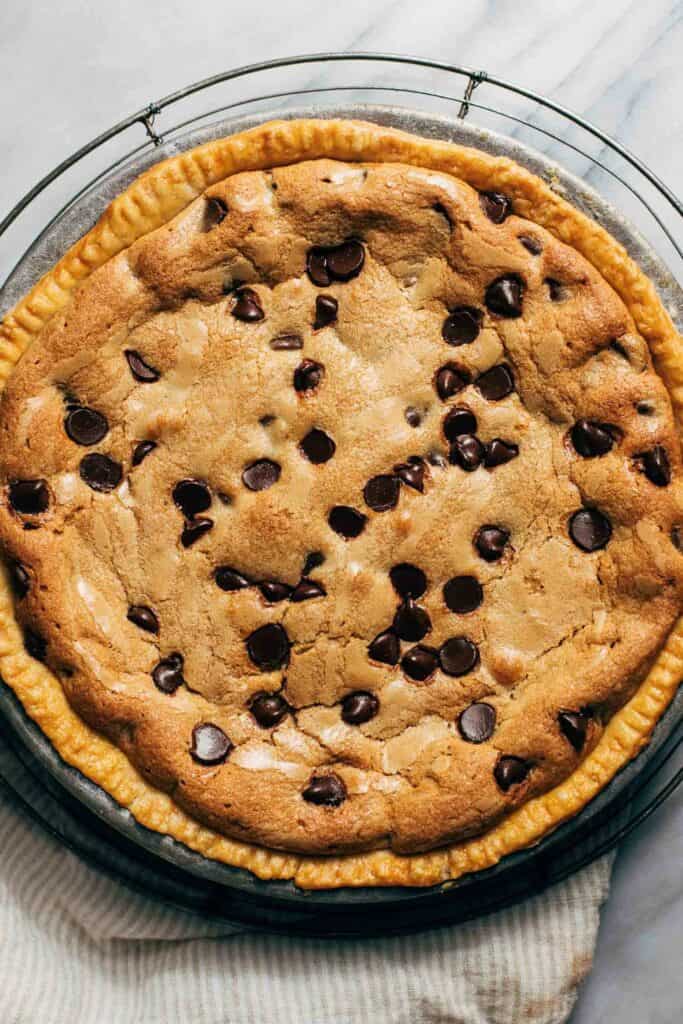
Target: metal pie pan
280, 904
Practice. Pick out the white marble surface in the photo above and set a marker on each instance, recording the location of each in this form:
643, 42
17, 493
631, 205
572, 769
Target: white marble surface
70, 69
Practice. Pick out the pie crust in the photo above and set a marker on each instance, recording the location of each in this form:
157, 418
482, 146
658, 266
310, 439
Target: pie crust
152, 202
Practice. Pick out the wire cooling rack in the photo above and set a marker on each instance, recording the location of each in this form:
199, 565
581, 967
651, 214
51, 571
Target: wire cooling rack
436, 98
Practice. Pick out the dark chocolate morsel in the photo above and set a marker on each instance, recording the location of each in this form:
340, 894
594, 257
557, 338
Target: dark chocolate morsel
85, 426
458, 656
268, 646
325, 791
141, 451
449, 381
359, 707
385, 648
313, 560
29, 497
574, 727
496, 383
260, 475
463, 594
477, 722
35, 644
142, 616
347, 521
308, 375
655, 465
215, 211
141, 370
411, 474
531, 244
247, 306
510, 771
100, 472
307, 589
325, 311
590, 529
591, 439
411, 622
19, 578
316, 266
286, 342
467, 451
346, 260
274, 591
317, 446
210, 745
191, 497
504, 296
556, 290
462, 325
499, 452
413, 416
381, 492
408, 580
268, 709
194, 529
490, 542
419, 663
495, 205
458, 421
167, 674
229, 579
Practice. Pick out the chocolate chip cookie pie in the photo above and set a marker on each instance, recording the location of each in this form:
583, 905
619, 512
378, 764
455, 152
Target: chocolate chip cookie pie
341, 505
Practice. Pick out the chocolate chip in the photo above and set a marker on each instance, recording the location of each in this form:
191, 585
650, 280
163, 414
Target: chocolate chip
449, 381
325, 311
286, 342
462, 325
229, 579
142, 450
274, 591
419, 663
313, 560
268, 709
215, 211
531, 244
325, 790
504, 296
655, 465
591, 439
499, 452
408, 580
225, 499
35, 644
413, 416
510, 771
677, 537
29, 497
210, 745
645, 408
346, 260
100, 472
346, 521
141, 370
477, 722
495, 205
467, 451
385, 648
411, 474
194, 529
260, 475
458, 656
19, 578
247, 306
437, 459
144, 617
306, 589
316, 266
590, 529
459, 421
359, 707
574, 726
411, 622
381, 492
496, 383
490, 542
85, 426
308, 375
268, 646
556, 289
317, 446
463, 594
266, 421
191, 496
167, 674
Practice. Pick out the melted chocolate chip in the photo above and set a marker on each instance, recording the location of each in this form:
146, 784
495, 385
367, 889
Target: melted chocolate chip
85, 426
19, 578
510, 771
419, 663
556, 290
325, 311
268, 646
229, 579
359, 707
144, 617
467, 451
381, 492
463, 594
35, 644
141, 370
286, 342
167, 674
29, 497
531, 244
412, 474
268, 709
496, 383
210, 745
317, 446
100, 472
449, 381
346, 521
385, 648
215, 211
477, 722
413, 416
437, 459
313, 560
574, 727
308, 375
499, 452
306, 589
591, 439
260, 475
459, 421
191, 496
490, 542
247, 306
194, 529
590, 529
274, 591
462, 325
495, 205
504, 296
408, 580
325, 264
655, 465
411, 622
325, 791
141, 451
458, 656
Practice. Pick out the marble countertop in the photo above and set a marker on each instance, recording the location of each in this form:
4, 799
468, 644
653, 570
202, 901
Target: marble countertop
72, 69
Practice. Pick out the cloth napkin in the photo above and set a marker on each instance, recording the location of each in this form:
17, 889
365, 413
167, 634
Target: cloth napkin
77, 947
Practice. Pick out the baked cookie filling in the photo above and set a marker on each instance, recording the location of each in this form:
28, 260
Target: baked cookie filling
342, 502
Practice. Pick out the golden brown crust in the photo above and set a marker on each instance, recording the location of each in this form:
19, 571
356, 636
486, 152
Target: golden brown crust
154, 200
